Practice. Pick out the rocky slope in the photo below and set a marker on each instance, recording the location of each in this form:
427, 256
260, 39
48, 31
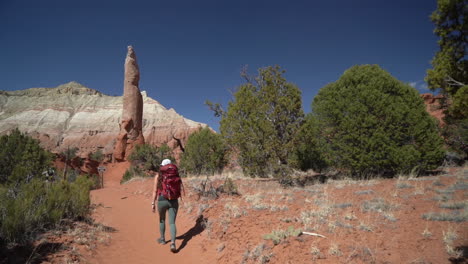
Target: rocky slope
72, 115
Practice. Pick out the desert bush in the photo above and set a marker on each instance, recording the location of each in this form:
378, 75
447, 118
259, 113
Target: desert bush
369, 122
262, 121
40, 205
206, 189
279, 235
133, 172
32, 198
455, 134
22, 159
377, 205
149, 157
205, 153
229, 187
260, 254
97, 156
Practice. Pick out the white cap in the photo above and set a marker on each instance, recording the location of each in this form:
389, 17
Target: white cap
165, 162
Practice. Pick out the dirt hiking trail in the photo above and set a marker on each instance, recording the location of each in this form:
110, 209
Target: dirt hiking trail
399, 220
127, 209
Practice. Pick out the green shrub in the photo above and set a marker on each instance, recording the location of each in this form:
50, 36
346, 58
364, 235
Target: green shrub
133, 172
306, 154
149, 157
32, 198
97, 156
126, 177
371, 123
205, 153
449, 72
40, 205
22, 158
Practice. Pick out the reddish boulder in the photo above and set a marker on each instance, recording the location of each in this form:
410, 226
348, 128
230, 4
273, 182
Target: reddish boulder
434, 106
131, 124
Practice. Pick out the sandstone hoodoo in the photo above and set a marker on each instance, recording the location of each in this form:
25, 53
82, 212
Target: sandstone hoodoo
131, 133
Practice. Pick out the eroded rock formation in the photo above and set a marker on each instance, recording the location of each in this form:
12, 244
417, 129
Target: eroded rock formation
131, 133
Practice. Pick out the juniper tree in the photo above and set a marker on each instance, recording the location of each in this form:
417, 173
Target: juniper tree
307, 154
261, 122
450, 66
22, 158
450, 69
372, 123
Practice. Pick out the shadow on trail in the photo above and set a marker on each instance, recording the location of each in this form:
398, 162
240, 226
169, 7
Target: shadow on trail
44, 247
199, 226
28, 253
462, 256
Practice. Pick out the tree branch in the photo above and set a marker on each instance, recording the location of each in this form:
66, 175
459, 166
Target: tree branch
451, 81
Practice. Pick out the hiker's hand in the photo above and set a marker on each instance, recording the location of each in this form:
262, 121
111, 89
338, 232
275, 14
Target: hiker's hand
153, 208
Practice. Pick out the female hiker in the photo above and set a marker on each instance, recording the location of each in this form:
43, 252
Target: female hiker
167, 190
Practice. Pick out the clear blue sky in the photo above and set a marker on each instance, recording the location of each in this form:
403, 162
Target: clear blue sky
190, 51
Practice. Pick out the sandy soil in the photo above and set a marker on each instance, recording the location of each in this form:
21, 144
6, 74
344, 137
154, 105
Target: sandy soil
372, 221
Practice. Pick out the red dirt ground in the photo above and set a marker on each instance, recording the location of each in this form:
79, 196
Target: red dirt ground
373, 221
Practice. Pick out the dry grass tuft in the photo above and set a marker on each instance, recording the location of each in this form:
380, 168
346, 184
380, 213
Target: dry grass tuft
334, 250
260, 254
426, 233
454, 216
449, 238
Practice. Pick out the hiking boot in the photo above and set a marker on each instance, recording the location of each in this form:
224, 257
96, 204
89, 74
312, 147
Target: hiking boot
161, 241
173, 248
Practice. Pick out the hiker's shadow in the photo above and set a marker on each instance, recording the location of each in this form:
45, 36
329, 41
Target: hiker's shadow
199, 226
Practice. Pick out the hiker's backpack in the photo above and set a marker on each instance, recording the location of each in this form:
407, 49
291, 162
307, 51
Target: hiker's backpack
171, 182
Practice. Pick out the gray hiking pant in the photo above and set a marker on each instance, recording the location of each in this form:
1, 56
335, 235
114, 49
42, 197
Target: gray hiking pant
167, 205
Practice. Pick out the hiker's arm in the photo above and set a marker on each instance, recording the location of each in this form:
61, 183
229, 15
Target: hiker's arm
155, 190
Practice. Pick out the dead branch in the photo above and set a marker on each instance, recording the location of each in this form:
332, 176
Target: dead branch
452, 81
312, 234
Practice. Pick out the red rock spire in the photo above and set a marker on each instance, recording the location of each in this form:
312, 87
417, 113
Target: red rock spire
131, 124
